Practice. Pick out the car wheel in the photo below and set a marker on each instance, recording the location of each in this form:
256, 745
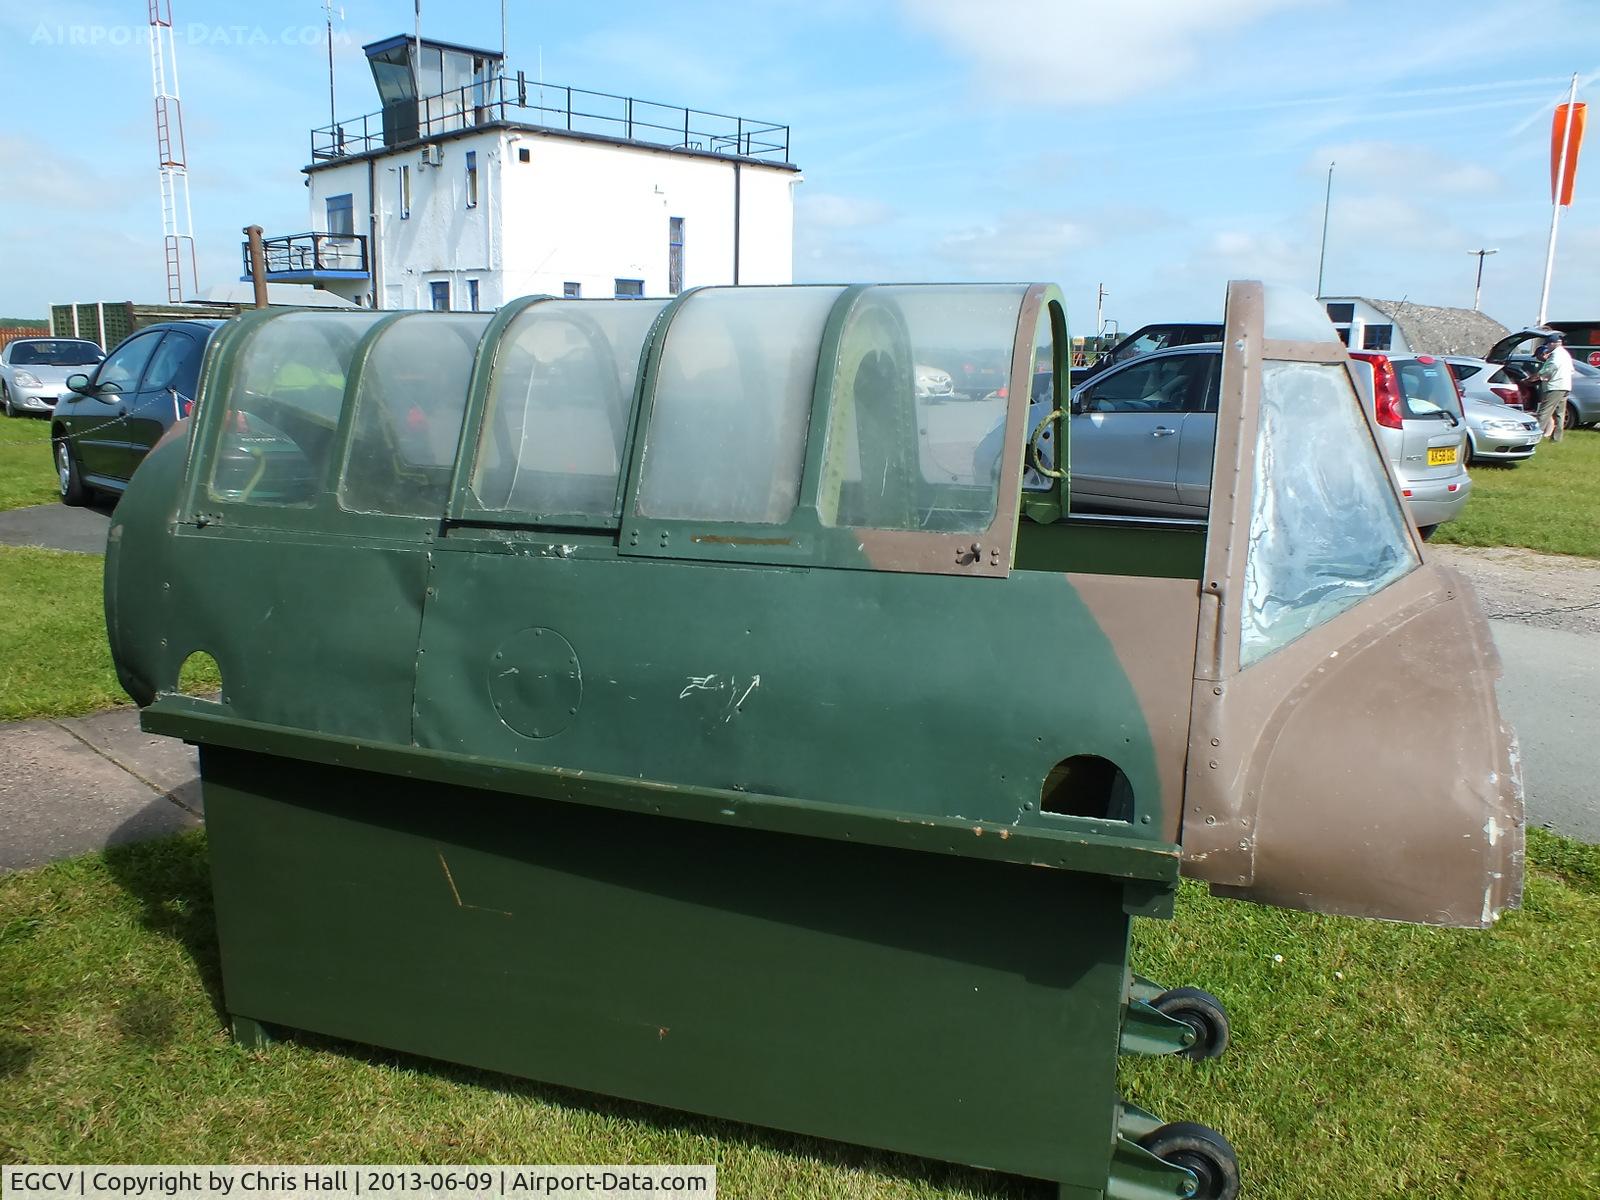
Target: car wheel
5, 401
67, 478
1426, 531
1572, 419
1467, 455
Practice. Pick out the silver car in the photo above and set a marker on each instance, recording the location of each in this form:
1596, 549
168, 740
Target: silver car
1479, 379
1498, 433
1415, 404
1498, 430
33, 372
1143, 434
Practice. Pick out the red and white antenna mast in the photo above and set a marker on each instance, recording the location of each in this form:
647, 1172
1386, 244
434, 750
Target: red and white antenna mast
177, 220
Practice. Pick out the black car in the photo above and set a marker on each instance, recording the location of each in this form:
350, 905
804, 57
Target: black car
1147, 339
102, 429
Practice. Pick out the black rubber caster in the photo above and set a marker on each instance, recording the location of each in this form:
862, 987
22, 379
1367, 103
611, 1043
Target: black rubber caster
1203, 1013
1200, 1149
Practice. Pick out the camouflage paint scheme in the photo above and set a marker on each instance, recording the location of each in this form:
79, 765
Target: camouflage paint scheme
769, 839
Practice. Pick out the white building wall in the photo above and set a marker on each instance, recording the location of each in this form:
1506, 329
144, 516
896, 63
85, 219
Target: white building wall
1364, 315
766, 243
439, 238
579, 212
346, 179
591, 213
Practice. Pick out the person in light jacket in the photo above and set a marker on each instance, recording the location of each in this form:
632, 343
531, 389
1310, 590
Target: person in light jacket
1555, 378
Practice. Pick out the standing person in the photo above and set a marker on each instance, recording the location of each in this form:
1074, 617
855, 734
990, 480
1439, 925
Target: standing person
1555, 376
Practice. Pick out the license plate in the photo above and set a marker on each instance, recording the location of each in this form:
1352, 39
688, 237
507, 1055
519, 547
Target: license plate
1441, 456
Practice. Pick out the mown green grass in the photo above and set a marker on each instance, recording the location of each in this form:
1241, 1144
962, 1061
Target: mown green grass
27, 475
1373, 1061
54, 658
1551, 502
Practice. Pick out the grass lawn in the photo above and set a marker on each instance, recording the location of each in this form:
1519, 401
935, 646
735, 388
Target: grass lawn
54, 658
1374, 1060
27, 475
1550, 502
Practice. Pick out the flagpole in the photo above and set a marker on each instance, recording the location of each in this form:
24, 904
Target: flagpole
1555, 209
1327, 206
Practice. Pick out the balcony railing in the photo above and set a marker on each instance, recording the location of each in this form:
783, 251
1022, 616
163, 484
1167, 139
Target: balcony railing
306, 256
553, 106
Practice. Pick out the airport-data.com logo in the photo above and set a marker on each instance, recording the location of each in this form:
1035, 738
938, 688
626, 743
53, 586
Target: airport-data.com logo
193, 33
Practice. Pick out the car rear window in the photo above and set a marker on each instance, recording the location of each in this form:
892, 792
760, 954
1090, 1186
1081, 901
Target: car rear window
1426, 389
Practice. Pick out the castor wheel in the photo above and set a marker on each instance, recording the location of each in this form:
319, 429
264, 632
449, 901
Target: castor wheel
1200, 1149
1203, 1013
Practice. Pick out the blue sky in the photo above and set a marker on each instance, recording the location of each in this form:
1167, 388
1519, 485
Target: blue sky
1160, 147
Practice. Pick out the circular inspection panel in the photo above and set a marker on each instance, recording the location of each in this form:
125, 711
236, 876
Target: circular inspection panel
536, 682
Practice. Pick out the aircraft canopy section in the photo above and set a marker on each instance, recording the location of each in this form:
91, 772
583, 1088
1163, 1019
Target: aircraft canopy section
877, 427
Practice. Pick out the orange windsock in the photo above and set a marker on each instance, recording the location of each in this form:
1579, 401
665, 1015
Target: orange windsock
1561, 179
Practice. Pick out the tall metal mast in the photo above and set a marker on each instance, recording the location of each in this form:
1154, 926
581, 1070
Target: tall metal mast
177, 219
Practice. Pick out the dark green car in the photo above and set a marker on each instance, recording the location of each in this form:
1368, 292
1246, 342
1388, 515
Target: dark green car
115, 413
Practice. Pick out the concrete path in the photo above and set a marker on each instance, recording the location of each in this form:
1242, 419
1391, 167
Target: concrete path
57, 527
73, 785
1550, 692
1544, 610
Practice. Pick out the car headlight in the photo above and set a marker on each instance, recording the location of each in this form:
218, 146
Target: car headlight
27, 379
1503, 426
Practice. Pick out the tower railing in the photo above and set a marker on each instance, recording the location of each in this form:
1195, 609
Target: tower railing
515, 98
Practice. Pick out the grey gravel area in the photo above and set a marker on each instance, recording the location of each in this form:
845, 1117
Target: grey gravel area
1547, 591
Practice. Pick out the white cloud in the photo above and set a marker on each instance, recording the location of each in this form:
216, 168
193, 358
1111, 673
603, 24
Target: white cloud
1270, 255
1078, 53
1028, 245
1420, 171
58, 179
829, 210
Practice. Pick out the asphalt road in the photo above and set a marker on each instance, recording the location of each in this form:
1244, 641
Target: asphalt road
1550, 692
57, 527
1544, 611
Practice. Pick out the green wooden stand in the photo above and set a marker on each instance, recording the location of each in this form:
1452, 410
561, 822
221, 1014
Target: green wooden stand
947, 1007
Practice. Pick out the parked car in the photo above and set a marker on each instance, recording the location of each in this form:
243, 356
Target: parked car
1416, 407
111, 417
1516, 350
1142, 435
1497, 428
1498, 434
1147, 339
1479, 379
931, 381
33, 372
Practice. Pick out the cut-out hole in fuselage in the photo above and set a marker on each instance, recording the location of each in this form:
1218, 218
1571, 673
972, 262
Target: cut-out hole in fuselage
1087, 785
200, 676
